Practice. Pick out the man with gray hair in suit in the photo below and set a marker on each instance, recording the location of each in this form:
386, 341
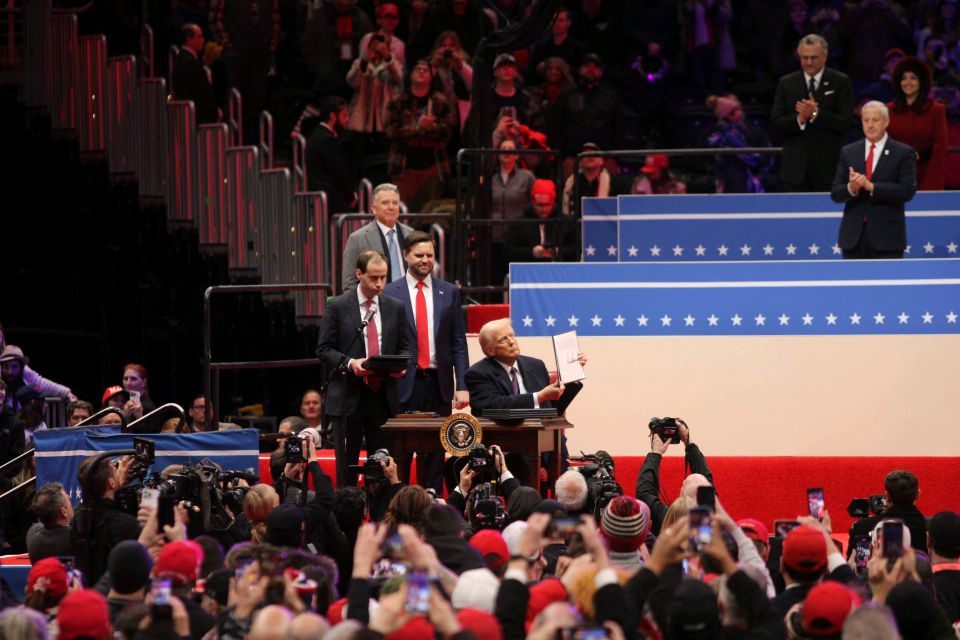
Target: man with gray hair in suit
384, 235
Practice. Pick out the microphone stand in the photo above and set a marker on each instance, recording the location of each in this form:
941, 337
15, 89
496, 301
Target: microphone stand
341, 368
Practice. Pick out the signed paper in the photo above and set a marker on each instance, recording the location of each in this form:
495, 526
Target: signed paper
566, 348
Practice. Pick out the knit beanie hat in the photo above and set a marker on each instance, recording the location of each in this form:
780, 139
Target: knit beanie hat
625, 523
476, 589
129, 566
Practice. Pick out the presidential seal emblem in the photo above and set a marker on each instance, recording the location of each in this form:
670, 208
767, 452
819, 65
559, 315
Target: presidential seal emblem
459, 433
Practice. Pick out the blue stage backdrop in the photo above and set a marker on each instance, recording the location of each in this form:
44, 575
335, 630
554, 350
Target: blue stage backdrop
748, 227
59, 452
860, 297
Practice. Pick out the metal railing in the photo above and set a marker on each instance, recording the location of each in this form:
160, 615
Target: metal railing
92, 420
265, 140
181, 161
313, 237
121, 133
145, 59
212, 221
242, 186
134, 426
365, 196
212, 369
11, 42
37, 70
299, 163
65, 62
346, 223
235, 117
151, 138
93, 72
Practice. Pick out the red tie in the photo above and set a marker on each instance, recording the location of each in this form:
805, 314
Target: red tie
869, 169
423, 330
373, 348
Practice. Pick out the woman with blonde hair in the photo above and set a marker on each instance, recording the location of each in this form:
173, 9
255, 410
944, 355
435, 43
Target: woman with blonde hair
260, 500
677, 511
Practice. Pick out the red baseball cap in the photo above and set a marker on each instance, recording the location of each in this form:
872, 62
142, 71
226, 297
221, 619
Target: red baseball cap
805, 550
178, 561
755, 530
84, 614
826, 608
109, 392
544, 191
48, 576
484, 625
489, 542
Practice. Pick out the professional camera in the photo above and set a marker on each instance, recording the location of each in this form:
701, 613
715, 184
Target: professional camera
865, 507
479, 459
217, 494
373, 467
601, 485
666, 428
487, 510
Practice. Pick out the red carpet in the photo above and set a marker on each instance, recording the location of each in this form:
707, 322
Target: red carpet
776, 487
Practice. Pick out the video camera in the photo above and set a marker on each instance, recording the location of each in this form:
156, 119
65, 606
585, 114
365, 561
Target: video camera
666, 428
487, 510
602, 487
865, 507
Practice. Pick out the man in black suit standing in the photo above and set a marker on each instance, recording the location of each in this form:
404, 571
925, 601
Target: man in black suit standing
438, 341
812, 109
358, 401
189, 80
326, 170
875, 177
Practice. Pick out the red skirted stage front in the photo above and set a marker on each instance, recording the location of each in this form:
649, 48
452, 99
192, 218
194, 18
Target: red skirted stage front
773, 488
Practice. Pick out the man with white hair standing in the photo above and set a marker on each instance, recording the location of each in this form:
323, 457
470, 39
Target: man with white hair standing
875, 178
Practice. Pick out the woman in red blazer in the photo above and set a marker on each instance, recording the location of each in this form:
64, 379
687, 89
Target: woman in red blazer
918, 121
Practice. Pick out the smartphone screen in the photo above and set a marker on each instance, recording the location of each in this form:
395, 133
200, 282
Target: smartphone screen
160, 594
144, 450
392, 545
135, 396
782, 527
707, 498
149, 498
815, 502
165, 515
701, 527
564, 527
862, 551
892, 533
418, 593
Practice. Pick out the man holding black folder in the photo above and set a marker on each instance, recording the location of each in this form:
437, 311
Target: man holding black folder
507, 380
357, 325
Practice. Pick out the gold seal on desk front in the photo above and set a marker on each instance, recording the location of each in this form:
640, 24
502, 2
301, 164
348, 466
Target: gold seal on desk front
459, 433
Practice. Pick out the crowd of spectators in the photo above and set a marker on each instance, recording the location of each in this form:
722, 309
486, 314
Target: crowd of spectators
495, 559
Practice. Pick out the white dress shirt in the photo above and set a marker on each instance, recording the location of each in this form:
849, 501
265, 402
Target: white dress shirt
523, 389
806, 81
428, 295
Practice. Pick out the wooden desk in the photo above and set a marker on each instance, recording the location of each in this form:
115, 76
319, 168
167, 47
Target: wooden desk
422, 435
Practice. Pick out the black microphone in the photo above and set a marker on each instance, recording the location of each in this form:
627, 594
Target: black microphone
370, 314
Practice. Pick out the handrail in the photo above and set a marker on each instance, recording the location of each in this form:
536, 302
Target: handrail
235, 116
364, 196
299, 163
12, 461
77, 10
211, 383
336, 252
172, 54
440, 268
266, 140
20, 487
169, 405
146, 51
103, 412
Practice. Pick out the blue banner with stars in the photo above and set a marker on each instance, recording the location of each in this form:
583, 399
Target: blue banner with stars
862, 297
749, 227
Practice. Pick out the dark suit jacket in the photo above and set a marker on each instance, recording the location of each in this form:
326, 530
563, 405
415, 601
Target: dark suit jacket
367, 238
490, 386
912, 517
449, 336
813, 150
326, 170
340, 324
895, 182
189, 82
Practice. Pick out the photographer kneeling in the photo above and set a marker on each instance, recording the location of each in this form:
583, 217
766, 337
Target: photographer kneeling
663, 433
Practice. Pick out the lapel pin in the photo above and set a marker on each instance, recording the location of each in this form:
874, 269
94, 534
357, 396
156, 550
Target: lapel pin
886, 152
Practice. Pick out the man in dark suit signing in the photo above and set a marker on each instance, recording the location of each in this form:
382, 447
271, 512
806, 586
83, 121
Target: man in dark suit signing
357, 401
875, 177
189, 80
812, 109
385, 234
438, 341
